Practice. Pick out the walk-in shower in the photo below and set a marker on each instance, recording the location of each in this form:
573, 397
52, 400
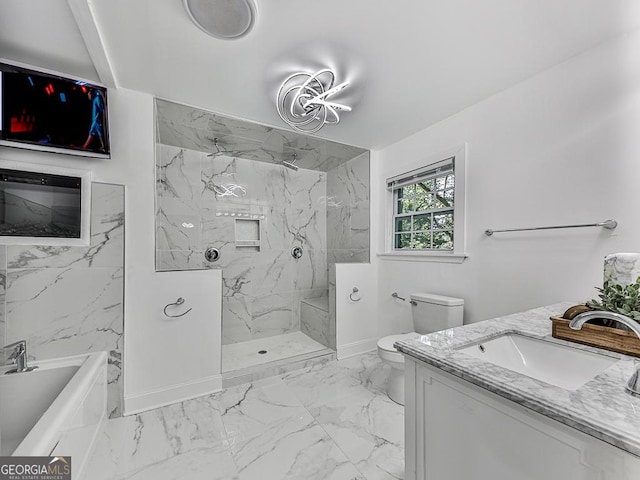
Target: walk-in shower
280, 208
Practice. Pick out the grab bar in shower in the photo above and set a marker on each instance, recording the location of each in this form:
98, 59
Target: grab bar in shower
608, 224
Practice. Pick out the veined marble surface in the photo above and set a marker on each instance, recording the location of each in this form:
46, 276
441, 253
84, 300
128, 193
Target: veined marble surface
622, 268
601, 408
3, 282
69, 300
262, 288
187, 127
201, 189
326, 421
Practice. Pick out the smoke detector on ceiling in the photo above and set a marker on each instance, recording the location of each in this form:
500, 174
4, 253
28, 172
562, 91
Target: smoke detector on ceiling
224, 19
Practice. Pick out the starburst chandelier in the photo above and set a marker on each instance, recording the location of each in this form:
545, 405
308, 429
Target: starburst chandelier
303, 100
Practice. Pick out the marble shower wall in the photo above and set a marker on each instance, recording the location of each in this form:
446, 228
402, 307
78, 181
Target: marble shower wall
348, 211
3, 283
193, 129
69, 300
262, 288
348, 224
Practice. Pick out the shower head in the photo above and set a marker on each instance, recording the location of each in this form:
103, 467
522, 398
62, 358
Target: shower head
290, 164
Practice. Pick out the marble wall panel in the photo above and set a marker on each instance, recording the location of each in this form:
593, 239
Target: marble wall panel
314, 320
260, 286
178, 114
322, 207
298, 297
338, 222
179, 175
176, 229
236, 315
349, 182
69, 311
195, 129
311, 270
273, 273
348, 222
69, 300
359, 225
272, 315
107, 238
237, 276
3, 282
169, 260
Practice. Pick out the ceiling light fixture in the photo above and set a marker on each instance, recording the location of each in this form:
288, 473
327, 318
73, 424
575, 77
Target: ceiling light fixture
224, 19
303, 100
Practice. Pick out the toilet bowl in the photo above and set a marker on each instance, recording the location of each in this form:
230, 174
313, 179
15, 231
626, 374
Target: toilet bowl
430, 313
392, 357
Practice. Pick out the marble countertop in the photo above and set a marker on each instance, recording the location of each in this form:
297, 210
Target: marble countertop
601, 408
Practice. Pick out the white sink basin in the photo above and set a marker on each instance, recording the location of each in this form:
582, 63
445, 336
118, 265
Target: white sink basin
556, 364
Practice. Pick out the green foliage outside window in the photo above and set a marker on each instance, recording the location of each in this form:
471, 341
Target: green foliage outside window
423, 218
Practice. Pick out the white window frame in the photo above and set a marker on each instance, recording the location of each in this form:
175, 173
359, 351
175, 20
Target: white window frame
459, 239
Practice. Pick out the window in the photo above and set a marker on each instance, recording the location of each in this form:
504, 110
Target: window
427, 213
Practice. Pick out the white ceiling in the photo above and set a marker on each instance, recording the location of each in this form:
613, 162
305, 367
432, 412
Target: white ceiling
411, 62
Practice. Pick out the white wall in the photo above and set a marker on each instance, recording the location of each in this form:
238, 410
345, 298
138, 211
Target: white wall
559, 148
133, 165
356, 325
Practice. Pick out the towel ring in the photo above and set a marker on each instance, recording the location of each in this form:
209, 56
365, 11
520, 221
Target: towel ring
177, 303
355, 290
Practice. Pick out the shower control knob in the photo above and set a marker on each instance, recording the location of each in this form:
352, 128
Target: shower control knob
212, 254
296, 252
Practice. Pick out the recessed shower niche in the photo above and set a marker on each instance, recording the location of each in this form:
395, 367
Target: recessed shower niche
247, 234
224, 184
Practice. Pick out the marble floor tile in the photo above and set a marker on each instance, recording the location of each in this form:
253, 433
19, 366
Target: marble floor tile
199, 464
369, 428
159, 434
327, 421
319, 384
251, 409
293, 450
103, 463
369, 370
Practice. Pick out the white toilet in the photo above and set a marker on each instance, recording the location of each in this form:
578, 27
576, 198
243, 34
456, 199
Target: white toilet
430, 314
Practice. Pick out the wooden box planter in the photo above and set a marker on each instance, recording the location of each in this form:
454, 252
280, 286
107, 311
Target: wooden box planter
614, 339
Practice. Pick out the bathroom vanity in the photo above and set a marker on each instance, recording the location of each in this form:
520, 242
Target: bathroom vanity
502, 399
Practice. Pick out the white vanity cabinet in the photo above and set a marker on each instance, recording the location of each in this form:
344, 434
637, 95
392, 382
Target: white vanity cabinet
457, 431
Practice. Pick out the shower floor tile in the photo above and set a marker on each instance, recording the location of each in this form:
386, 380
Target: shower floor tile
238, 356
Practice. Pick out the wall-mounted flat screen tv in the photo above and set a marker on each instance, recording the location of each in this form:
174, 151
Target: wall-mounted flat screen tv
46, 111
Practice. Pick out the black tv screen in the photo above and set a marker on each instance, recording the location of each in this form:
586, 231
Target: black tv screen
45, 111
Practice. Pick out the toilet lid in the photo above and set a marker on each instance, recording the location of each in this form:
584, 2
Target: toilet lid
386, 343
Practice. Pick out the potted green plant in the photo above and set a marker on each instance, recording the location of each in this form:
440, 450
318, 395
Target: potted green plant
622, 299
607, 334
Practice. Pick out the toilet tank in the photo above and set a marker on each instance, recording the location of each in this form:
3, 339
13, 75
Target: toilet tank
435, 312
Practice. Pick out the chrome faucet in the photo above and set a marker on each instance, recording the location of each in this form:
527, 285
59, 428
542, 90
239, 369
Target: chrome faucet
633, 385
19, 357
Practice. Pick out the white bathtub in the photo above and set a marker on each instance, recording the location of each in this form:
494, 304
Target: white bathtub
57, 409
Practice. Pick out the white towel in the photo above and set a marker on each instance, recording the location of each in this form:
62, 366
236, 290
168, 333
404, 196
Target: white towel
622, 268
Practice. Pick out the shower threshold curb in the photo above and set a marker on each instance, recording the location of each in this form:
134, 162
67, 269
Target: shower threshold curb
276, 367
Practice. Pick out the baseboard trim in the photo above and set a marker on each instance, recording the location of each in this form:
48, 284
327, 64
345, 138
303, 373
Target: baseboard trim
173, 394
356, 348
